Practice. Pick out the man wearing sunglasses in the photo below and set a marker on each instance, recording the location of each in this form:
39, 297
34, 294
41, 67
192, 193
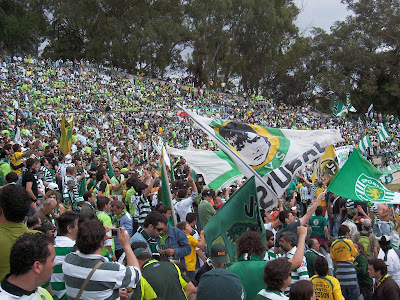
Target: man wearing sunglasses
153, 225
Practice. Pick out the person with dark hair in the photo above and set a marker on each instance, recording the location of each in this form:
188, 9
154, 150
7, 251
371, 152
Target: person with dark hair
385, 286
123, 219
166, 211
164, 278
29, 182
31, 265
390, 257
319, 227
183, 205
11, 178
139, 200
117, 183
206, 210
343, 254
101, 189
16, 157
277, 277
63, 244
191, 218
89, 206
110, 276
288, 242
352, 217
361, 266
325, 286
302, 290
289, 222
14, 206
130, 191
152, 227
250, 265
104, 206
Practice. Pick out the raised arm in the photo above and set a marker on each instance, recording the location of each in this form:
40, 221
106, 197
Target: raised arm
310, 212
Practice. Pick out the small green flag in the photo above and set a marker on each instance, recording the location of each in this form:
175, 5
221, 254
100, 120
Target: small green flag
110, 169
239, 214
166, 191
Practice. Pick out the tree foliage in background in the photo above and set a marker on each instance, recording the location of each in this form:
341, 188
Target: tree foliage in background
251, 42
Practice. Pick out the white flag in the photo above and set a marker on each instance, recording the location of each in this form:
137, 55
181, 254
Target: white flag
216, 167
383, 133
272, 155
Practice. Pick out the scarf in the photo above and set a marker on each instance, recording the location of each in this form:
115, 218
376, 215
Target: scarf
117, 217
152, 242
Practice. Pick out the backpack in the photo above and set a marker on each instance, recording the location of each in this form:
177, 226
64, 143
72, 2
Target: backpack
366, 242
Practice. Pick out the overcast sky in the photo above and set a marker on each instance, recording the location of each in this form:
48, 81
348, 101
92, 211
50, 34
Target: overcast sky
320, 13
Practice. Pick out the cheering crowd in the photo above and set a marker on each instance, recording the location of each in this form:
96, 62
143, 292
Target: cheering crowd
93, 225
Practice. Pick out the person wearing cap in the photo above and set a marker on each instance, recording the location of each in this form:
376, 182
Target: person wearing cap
217, 260
352, 217
220, 284
367, 238
390, 257
164, 277
206, 210
277, 277
385, 286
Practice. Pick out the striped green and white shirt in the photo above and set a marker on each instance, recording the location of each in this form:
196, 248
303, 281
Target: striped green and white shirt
270, 295
104, 283
63, 245
301, 273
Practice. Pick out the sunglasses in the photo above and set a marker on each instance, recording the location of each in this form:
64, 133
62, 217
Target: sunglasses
159, 229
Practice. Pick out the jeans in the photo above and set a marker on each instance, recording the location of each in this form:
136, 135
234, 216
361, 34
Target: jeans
350, 293
337, 221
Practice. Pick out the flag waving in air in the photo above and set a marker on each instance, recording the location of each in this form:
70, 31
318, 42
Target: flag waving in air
358, 180
383, 133
66, 135
364, 143
273, 156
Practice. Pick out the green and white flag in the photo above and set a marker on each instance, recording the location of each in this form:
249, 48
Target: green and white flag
341, 109
239, 214
358, 180
342, 154
217, 168
273, 156
383, 133
364, 143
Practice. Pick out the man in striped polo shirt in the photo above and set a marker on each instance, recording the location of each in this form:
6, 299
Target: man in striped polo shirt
110, 276
288, 242
63, 244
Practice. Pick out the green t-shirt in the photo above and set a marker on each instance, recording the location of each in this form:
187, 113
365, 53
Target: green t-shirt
116, 181
9, 233
106, 220
5, 168
128, 197
317, 224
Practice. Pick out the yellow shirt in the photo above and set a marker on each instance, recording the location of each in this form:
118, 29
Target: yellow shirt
16, 160
327, 287
192, 257
343, 250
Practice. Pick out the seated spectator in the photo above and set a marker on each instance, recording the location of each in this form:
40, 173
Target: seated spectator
31, 265
110, 277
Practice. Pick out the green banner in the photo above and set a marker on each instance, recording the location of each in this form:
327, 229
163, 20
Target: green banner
239, 214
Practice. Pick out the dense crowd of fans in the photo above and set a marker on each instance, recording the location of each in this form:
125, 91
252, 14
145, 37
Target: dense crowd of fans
104, 232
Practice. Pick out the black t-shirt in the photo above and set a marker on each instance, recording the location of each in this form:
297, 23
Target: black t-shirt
204, 269
30, 177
